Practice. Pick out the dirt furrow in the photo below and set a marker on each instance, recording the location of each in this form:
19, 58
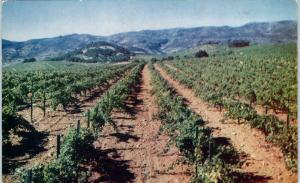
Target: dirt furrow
262, 162
138, 152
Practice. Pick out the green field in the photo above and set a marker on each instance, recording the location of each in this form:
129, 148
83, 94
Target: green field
48, 65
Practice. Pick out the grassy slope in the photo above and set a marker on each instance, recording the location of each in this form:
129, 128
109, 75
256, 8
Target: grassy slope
223, 50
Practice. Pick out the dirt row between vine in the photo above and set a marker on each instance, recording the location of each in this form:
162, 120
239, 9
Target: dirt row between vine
138, 151
262, 161
40, 147
259, 108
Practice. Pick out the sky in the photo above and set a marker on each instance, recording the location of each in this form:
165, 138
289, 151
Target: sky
29, 19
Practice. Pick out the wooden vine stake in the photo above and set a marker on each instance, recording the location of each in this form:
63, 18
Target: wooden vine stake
88, 120
196, 164
31, 101
288, 123
288, 116
44, 103
209, 148
57, 145
29, 176
31, 109
78, 126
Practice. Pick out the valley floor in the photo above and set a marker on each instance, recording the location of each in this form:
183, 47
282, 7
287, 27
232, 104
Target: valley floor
139, 151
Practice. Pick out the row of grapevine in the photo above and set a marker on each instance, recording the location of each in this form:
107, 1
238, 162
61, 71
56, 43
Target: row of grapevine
276, 131
77, 147
53, 87
60, 87
113, 99
190, 135
75, 150
265, 75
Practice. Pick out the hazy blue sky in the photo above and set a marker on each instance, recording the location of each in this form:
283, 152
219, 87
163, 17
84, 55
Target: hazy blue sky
26, 19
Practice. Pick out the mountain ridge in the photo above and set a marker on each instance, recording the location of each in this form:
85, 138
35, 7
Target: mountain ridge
161, 41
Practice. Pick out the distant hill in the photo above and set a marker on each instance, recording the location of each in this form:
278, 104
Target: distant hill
97, 52
41, 48
156, 41
172, 40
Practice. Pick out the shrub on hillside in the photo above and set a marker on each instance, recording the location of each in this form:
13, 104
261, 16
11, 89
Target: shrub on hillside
201, 53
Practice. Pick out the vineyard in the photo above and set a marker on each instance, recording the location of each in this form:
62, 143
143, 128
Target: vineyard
230, 117
248, 82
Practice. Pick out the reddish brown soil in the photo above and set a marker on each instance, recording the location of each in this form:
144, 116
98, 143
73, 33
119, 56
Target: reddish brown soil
54, 123
262, 162
138, 152
259, 108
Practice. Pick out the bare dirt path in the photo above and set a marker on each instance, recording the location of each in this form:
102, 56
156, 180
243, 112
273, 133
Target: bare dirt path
137, 153
54, 123
259, 108
262, 162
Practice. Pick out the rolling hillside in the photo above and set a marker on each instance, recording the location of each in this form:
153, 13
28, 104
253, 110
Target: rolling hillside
96, 52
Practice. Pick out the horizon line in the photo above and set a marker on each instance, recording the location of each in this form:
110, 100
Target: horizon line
150, 29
